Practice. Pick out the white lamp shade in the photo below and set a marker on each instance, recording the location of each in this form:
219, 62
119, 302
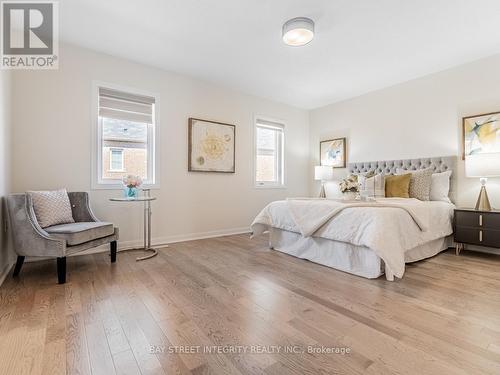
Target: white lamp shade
323, 173
482, 165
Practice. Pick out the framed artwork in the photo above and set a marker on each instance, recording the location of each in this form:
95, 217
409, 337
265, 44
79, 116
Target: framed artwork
211, 146
481, 134
332, 153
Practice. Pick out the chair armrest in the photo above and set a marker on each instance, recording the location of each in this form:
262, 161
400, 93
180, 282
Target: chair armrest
80, 207
28, 237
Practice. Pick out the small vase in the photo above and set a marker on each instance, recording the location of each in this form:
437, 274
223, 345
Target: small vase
131, 192
349, 195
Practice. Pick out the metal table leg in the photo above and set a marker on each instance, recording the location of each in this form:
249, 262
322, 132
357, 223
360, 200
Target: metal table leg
147, 233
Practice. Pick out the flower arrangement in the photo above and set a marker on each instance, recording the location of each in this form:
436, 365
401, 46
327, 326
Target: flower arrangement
349, 184
132, 181
131, 184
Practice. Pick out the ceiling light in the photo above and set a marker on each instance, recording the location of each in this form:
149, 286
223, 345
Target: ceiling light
298, 31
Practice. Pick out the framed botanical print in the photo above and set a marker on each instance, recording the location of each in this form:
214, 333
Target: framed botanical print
481, 134
333, 153
211, 146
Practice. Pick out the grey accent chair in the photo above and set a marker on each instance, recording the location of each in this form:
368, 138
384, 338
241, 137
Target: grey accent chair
61, 240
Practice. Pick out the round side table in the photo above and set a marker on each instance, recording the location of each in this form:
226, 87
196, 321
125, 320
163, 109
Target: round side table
147, 224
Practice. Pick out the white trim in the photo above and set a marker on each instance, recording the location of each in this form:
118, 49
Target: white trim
280, 125
268, 185
5, 272
96, 149
157, 242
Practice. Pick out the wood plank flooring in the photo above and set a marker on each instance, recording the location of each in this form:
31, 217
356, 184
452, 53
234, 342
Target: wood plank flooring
258, 310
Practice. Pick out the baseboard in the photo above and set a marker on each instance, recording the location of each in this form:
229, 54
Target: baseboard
158, 241
5, 272
200, 236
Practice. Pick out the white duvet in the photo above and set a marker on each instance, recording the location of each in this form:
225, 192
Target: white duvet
389, 227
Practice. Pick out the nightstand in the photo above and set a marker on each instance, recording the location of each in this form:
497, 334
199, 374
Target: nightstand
480, 228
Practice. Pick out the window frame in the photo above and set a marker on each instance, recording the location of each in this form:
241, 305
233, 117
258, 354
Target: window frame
280, 124
153, 134
122, 154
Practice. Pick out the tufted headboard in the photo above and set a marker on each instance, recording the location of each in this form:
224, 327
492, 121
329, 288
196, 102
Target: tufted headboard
438, 164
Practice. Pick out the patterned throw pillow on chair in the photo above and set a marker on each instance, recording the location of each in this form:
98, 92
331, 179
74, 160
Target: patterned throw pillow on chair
51, 207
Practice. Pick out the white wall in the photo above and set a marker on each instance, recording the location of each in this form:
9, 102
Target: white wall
52, 138
5, 98
419, 118
52, 122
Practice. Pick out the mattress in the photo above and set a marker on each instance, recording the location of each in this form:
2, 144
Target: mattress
357, 260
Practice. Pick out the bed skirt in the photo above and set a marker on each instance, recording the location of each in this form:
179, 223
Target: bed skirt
357, 260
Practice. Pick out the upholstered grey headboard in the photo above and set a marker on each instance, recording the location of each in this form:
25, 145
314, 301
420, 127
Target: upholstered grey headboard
438, 164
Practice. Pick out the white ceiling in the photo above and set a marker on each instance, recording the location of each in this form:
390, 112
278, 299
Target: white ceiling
360, 45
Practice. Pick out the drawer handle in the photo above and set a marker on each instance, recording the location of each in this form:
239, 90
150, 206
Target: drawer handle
480, 220
480, 236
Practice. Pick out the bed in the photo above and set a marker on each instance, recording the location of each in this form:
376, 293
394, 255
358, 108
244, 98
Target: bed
367, 239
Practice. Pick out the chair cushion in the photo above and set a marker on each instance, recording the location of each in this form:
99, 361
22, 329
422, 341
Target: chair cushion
78, 233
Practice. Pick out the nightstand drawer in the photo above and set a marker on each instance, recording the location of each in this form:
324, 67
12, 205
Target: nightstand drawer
491, 221
477, 219
476, 236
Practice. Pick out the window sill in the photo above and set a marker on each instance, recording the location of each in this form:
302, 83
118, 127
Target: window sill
121, 187
270, 187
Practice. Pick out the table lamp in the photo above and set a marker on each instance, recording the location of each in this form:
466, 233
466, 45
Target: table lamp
323, 173
483, 166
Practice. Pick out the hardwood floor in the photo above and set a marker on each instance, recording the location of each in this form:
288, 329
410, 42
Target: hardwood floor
158, 316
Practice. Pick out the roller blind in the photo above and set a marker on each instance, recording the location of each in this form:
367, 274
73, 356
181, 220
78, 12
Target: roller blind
125, 106
269, 124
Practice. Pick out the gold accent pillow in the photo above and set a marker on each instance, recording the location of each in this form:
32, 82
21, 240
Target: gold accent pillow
397, 186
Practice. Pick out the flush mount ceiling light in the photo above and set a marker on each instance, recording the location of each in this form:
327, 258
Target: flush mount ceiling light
298, 31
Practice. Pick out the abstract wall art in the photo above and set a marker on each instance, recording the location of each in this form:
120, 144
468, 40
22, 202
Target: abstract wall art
481, 134
211, 146
333, 153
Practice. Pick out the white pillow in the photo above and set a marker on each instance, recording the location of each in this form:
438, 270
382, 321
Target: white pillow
372, 186
440, 186
51, 207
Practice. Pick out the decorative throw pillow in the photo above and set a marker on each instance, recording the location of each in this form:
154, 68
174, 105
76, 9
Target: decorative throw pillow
420, 183
372, 185
51, 207
440, 186
397, 186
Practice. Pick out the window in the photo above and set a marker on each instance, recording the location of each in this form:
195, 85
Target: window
125, 139
269, 154
116, 160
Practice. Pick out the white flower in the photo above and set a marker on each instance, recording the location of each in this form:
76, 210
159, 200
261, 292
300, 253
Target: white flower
349, 184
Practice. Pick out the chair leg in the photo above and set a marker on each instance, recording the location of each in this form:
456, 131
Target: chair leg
61, 270
113, 246
19, 264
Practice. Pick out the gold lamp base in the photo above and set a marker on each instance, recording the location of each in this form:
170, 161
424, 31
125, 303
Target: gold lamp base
483, 203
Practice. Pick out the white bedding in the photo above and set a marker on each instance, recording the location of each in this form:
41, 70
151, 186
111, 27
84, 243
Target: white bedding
346, 257
388, 230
